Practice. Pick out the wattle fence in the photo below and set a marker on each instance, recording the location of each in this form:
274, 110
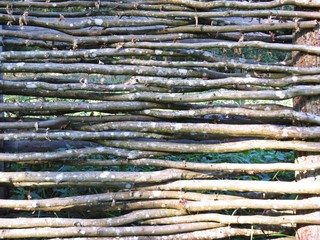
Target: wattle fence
126, 119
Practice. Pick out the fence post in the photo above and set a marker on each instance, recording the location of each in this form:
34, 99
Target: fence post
311, 105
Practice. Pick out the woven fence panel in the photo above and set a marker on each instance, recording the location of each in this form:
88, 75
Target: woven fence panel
141, 119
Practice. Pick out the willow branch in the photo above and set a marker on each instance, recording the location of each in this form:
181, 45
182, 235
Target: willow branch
241, 28
228, 111
238, 65
236, 4
108, 69
101, 222
221, 94
225, 44
52, 124
250, 130
215, 148
218, 83
212, 14
239, 186
86, 4
205, 206
93, 22
83, 152
218, 167
83, 53
218, 233
80, 41
34, 85
99, 176
171, 14
78, 106
74, 135
236, 219
69, 203
105, 231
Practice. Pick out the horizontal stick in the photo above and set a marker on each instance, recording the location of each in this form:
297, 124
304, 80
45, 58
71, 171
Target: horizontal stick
100, 176
225, 44
74, 202
104, 231
236, 4
240, 186
243, 130
78, 106
76, 135
221, 94
205, 206
238, 219
101, 69
241, 28
52, 124
234, 111
125, 219
218, 83
92, 22
83, 53
217, 233
186, 14
215, 148
82, 152
219, 167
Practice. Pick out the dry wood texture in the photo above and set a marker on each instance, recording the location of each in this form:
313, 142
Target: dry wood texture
127, 88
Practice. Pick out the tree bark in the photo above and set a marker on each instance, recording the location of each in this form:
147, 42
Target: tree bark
309, 104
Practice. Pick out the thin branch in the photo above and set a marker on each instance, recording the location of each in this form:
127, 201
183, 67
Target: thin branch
218, 233
78, 153
101, 222
70, 203
243, 130
100, 176
236, 219
238, 146
105, 231
236, 4
52, 124
205, 206
219, 167
240, 186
